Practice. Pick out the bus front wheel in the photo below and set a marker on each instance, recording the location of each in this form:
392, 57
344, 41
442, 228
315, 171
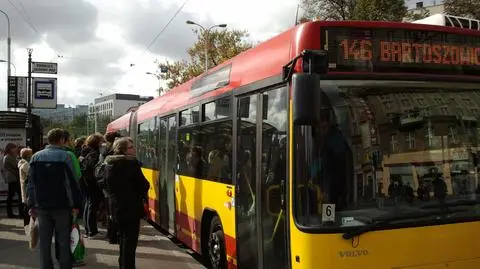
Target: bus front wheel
216, 245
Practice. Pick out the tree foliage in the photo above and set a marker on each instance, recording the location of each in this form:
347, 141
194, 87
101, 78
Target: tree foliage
77, 127
80, 126
222, 45
370, 10
337, 10
464, 8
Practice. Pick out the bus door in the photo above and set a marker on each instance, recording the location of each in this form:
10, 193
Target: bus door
261, 159
168, 128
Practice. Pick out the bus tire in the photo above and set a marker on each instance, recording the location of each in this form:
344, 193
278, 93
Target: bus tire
216, 254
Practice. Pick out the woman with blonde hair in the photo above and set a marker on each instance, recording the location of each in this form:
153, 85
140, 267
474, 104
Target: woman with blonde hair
127, 188
23, 167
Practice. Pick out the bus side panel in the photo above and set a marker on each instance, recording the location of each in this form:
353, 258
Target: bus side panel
153, 194
192, 197
454, 246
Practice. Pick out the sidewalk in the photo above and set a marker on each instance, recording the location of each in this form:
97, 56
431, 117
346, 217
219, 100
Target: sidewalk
154, 250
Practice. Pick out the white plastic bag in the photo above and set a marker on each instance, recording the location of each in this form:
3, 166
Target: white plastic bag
33, 233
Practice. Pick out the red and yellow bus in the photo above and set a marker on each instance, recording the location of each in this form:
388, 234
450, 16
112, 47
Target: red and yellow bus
319, 148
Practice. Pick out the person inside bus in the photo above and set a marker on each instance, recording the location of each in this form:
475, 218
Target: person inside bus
197, 166
215, 164
181, 156
336, 161
246, 196
12, 177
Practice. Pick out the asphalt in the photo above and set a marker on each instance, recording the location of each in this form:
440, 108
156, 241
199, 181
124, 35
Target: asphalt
155, 250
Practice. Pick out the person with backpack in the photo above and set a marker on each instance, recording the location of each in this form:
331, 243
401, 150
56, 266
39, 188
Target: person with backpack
112, 229
93, 194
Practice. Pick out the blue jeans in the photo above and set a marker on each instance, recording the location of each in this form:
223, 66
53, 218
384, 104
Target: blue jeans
60, 222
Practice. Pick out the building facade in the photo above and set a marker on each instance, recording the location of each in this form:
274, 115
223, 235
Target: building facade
62, 114
110, 107
432, 7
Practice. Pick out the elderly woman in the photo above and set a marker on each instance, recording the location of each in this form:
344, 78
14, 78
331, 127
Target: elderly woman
127, 188
23, 166
10, 171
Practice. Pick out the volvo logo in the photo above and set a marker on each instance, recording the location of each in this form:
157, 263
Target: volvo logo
353, 253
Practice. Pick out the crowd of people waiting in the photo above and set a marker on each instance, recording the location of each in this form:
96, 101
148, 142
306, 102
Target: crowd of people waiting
97, 178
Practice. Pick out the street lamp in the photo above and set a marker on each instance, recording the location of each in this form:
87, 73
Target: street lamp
9, 41
160, 89
14, 67
206, 32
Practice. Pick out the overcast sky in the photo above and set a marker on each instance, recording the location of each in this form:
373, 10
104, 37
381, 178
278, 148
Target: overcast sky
96, 41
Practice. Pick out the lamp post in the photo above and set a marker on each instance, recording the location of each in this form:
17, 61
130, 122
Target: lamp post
160, 89
9, 41
206, 32
14, 67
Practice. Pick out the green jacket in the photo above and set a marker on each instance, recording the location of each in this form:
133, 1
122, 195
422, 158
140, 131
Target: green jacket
76, 165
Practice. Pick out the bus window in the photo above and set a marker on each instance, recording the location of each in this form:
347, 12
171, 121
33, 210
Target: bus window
206, 151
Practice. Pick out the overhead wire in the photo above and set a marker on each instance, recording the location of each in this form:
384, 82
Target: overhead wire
23, 16
162, 30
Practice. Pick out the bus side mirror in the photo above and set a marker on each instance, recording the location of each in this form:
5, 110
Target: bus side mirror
306, 97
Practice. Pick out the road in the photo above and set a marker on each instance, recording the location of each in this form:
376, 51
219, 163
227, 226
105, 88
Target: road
155, 250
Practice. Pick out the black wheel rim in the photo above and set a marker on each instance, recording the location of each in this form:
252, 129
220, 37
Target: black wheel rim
214, 249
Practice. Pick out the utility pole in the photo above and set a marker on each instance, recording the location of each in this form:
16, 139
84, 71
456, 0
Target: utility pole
28, 123
9, 43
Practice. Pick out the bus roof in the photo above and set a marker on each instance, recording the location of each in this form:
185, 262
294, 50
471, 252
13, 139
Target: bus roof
261, 62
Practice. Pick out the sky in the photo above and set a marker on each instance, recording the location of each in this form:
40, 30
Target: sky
102, 47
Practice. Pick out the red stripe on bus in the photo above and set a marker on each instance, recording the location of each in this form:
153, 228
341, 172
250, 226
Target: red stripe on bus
192, 225
187, 226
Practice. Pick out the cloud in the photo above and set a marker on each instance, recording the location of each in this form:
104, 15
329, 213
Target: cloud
73, 21
143, 22
97, 40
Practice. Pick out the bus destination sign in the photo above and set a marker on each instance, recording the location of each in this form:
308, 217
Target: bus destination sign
401, 51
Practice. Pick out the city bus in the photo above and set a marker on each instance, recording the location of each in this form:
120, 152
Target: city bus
336, 144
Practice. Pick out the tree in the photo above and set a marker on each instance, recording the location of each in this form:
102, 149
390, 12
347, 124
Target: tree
380, 10
78, 127
417, 14
222, 45
337, 10
464, 8
371, 10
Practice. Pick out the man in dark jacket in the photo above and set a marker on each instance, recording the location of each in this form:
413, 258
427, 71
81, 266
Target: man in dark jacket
52, 195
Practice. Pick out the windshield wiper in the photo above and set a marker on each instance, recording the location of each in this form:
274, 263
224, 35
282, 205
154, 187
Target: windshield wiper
395, 216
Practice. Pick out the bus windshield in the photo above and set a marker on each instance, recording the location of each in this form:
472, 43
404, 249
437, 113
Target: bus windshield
387, 147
